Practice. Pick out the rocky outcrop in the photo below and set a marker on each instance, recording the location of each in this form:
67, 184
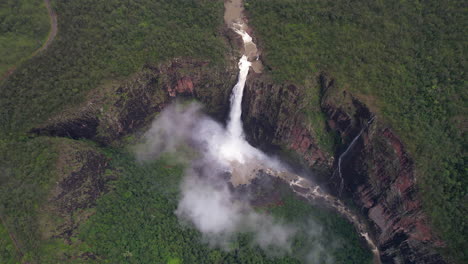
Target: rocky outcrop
378, 173
83, 174
113, 111
380, 177
273, 117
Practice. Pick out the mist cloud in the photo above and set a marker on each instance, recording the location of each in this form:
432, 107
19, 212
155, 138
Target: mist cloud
207, 199
220, 217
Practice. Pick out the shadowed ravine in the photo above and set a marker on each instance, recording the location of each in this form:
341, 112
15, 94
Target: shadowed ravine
244, 167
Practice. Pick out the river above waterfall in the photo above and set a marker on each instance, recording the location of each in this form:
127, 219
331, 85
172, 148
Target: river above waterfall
234, 18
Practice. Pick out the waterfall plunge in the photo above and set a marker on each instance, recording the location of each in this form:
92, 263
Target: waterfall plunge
234, 147
234, 126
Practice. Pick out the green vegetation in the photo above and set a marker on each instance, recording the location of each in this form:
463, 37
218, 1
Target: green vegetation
8, 254
136, 224
317, 118
405, 59
408, 58
23, 29
26, 174
338, 237
106, 40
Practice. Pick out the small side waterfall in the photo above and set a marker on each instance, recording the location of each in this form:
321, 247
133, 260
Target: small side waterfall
340, 159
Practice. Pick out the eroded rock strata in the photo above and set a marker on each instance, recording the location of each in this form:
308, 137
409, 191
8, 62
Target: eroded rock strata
273, 116
116, 110
378, 173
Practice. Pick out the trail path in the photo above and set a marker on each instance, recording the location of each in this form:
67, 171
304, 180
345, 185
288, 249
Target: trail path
53, 28
52, 34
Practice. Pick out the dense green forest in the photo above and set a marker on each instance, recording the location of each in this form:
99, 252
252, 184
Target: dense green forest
26, 175
405, 59
99, 42
23, 29
136, 224
7, 248
104, 41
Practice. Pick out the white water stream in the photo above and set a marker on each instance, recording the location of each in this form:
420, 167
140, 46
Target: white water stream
340, 159
233, 150
234, 125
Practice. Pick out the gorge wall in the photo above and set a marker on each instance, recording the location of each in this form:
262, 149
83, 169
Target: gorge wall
378, 173
114, 111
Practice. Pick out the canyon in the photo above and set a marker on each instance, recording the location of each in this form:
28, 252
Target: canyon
376, 176
346, 124
378, 173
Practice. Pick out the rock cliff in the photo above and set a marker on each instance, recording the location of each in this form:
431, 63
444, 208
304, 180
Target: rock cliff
378, 173
273, 117
113, 111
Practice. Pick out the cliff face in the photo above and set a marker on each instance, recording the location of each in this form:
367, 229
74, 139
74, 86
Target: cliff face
113, 111
378, 172
272, 116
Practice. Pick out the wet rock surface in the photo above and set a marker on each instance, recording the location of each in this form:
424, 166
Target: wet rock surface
234, 18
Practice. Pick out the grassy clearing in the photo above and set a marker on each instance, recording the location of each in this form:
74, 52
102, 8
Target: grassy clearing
406, 59
23, 29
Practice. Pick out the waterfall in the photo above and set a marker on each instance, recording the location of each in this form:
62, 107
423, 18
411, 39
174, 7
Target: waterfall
235, 148
346, 152
234, 126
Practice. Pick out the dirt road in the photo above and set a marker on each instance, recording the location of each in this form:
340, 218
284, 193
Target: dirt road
50, 38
